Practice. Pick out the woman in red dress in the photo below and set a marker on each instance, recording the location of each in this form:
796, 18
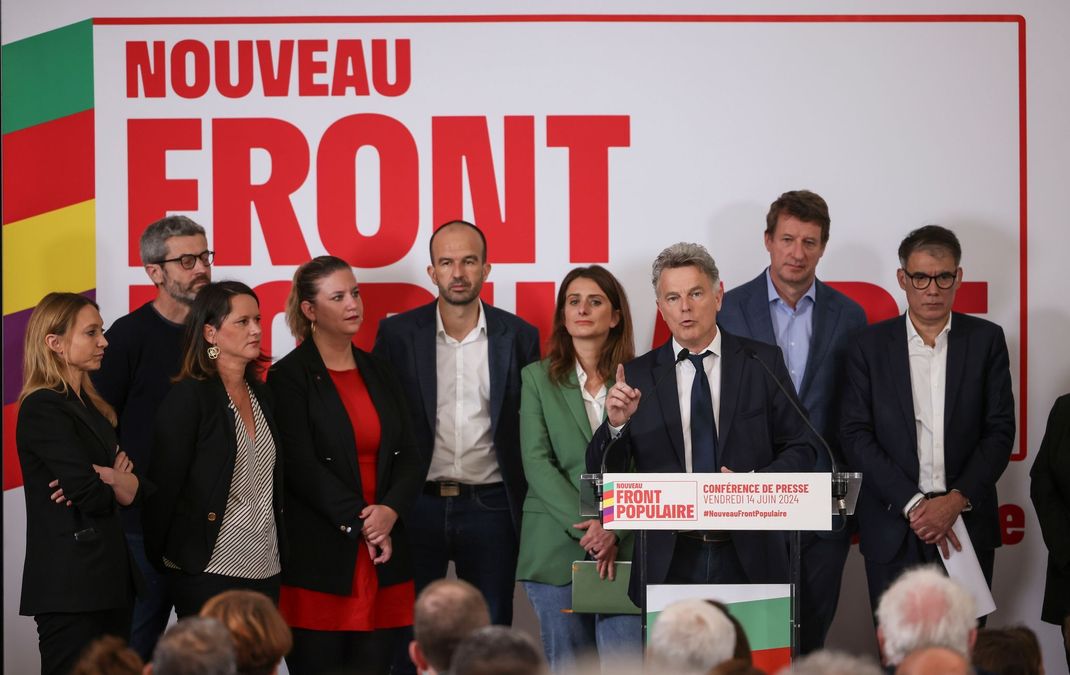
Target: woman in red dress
351, 475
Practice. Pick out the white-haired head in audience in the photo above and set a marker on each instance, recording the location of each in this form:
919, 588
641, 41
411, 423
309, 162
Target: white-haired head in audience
924, 608
828, 662
691, 636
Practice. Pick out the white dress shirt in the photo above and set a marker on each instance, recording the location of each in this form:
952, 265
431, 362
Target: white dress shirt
464, 444
928, 376
685, 378
593, 404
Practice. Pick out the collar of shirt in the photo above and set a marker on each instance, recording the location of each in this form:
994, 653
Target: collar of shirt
480, 329
714, 347
915, 338
581, 378
774, 296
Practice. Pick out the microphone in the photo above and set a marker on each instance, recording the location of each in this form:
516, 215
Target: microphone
839, 482
680, 356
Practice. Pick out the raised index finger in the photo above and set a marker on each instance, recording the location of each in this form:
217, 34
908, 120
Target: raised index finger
620, 373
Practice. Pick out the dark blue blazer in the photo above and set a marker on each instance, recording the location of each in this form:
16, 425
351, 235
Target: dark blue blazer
407, 340
758, 431
836, 318
880, 438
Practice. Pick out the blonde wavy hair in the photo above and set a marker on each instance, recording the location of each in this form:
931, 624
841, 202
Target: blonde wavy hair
43, 368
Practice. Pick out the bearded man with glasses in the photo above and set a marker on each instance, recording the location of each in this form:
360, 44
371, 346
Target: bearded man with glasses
144, 353
928, 418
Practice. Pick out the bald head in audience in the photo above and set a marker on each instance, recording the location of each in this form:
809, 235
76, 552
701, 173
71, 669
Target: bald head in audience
934, 661
446, 612
924, 608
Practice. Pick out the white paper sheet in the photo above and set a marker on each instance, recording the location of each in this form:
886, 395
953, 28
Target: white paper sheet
963, 567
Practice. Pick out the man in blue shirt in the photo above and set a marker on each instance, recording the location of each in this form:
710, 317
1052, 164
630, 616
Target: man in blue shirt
812, 323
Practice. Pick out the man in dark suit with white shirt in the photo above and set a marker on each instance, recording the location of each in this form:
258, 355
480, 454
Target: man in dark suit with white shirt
714, 408
811, 322
928, 418
459, 361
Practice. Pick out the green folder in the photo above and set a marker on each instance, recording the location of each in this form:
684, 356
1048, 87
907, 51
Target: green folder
591, 595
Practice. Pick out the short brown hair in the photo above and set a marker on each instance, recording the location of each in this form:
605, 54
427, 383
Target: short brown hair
1013, 651
807, 206
261, 637
446, 612
108, 655
620, 344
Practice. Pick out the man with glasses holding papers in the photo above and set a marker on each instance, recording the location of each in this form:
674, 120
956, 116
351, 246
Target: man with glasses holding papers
928, 418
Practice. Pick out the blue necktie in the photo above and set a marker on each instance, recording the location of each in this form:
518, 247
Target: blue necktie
703, 426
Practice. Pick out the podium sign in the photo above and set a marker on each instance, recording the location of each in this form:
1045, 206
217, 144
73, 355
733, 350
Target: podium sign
716, 501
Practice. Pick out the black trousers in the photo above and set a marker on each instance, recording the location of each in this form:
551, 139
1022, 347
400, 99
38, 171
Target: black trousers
63, 636
329, 652
190, 591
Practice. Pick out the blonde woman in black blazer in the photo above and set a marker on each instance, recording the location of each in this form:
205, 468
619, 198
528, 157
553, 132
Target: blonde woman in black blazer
78, 582
352, 476
214, 523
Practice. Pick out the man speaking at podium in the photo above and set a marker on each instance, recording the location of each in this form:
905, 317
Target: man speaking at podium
702, 403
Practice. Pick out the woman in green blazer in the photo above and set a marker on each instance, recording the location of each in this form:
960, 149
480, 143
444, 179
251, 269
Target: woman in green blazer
562, 402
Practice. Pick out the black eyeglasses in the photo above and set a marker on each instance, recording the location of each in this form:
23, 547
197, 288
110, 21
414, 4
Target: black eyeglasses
920, 281
189, 260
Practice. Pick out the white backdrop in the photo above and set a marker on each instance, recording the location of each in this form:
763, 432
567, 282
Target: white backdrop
897, 124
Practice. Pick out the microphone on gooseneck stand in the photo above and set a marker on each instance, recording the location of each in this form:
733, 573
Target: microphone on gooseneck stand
839, 481
680, 356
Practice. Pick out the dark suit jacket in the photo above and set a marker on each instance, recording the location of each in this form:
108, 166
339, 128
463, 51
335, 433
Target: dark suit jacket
408, 341
836, 318
1050, 491
60, 437
192, 463
324, 494
880, 438
758, 431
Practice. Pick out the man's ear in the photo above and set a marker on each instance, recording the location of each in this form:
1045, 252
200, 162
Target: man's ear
155, 273
417, 656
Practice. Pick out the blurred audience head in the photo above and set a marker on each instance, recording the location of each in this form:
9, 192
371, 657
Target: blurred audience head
497, 650
934, 661
261, 636
742, 649
736, 667
108, 655
194, 646
690, 636
828, 662
924, 608
446, 612
1008, 651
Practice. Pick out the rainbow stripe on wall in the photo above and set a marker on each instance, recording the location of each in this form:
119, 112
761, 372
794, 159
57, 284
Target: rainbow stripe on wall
48, 186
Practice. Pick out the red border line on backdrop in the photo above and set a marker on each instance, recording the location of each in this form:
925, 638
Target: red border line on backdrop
569, 18
1023, 276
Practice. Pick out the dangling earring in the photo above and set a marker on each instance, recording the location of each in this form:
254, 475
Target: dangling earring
313, 326
213, 352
